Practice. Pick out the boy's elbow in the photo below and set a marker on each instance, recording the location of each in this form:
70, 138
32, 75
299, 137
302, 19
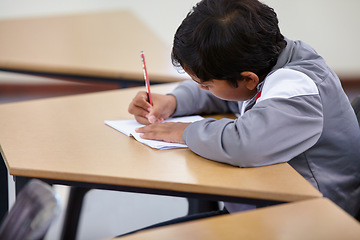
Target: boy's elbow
247, 160
243, 157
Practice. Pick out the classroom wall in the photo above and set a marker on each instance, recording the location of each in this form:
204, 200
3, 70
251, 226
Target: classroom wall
330, 26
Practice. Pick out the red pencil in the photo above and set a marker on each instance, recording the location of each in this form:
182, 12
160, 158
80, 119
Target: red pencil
146, 78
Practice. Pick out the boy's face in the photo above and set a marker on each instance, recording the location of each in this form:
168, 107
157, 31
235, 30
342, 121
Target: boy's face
223, 90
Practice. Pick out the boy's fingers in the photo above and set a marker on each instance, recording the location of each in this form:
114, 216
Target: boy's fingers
156, 115
139, 106
139, 112
140, 101
168, 132
148, 132
153, 119
142, 120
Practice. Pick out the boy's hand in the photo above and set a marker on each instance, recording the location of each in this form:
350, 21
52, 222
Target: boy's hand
163, 107
168, 132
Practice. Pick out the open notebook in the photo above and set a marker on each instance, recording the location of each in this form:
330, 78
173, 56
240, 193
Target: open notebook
128, 128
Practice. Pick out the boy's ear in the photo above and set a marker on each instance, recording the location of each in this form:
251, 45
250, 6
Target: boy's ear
251, 80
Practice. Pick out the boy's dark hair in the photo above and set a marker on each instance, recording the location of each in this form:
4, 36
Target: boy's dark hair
219, 39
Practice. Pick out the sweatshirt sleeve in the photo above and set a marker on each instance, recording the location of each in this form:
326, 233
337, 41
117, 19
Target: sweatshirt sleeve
285, 121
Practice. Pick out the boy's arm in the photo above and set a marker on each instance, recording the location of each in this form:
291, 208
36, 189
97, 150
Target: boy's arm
286, 121
273, 131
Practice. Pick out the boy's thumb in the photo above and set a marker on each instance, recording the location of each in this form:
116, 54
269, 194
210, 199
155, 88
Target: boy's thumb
152, 119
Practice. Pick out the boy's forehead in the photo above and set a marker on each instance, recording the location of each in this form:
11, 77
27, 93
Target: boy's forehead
194, 77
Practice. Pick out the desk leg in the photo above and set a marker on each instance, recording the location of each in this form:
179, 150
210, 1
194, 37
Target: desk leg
20, 182
4, 189
73, 211
200, 206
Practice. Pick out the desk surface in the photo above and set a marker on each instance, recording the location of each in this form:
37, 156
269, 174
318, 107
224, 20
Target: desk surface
103, 45
65, 138
311, 219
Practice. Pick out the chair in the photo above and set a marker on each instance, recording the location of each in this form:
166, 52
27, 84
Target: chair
30, 217
356, 106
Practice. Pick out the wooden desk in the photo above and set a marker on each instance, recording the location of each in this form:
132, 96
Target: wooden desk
312, 219
100, 45
64, 140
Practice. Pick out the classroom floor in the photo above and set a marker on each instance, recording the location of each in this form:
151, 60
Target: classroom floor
105, 214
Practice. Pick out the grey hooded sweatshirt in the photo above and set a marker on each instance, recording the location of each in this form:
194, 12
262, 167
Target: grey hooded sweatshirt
300, 115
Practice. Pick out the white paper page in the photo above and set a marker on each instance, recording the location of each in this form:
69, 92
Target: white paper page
128, 127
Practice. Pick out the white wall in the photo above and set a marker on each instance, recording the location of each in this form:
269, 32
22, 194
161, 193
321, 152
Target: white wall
162, 16
330, 26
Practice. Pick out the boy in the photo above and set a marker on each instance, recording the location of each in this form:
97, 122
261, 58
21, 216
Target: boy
291, 104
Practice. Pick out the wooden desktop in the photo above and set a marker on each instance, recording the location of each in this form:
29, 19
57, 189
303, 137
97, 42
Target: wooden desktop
64, 140
311, 219
100, 45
